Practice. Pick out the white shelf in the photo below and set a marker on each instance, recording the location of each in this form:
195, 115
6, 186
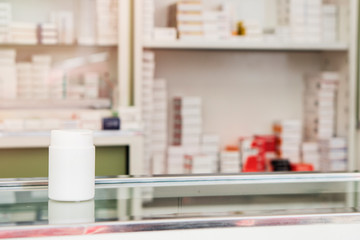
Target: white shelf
13, 45
242, 45
42, 139
60, 104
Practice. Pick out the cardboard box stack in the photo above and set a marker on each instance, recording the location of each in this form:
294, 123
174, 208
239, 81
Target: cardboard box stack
253, 31
56, 85
333, 154
48, 34
230, 160
148, 106
187, 124
320, 116
86, 30
203, 158
159, 127
302, 21
92, 85
330, 23
217, 24
41, 65
193, 22
5, 21
175, 160
107, 22
23, 33
289, 134
148, 19
165, 34
210, 146
313, 21
291, 19
311, 154
24, 77
320, 100
200, 164
64, 21
8, 79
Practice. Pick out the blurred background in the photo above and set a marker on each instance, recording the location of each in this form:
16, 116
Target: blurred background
181, 87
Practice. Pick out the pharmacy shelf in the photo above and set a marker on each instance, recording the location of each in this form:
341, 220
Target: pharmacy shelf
131, 139
59, 104
15, 45
243, 45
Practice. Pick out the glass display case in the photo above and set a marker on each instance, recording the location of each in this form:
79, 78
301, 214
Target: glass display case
129, 204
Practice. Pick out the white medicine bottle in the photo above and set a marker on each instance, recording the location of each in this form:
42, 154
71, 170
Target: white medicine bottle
71, 165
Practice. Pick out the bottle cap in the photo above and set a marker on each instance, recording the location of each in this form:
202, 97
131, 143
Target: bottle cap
71, 138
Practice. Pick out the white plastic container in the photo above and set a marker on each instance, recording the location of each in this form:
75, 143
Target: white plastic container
71, 212
71, 165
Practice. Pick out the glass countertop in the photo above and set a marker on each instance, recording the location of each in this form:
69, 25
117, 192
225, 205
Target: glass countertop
203, 201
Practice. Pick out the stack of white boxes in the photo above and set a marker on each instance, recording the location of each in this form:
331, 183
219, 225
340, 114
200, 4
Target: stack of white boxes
200, 164
175, 160
187, 124
165, 34
23, 33
86, 30
148, 19
159, 127
8, 79
187, 18
230, 162
56, 85
64, 21
289, 133
90, 120
313, 21
320, 115
210, 146
24, 77
148, 106
253, 31
283, 20
92, 85
41, 65
311, 154
5, 20
48, 34
195, 23
302, 21
216, 25
107, 22
333, 154
320, 100
75, 90
330, 23
203, 158
291, 18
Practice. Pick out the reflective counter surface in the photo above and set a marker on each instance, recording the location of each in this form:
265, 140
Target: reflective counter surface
133, 204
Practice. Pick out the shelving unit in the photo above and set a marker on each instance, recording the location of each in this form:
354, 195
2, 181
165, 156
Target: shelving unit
119, 55
119, 71
8, 45
243, 45
245, 86
61, 104
256, 83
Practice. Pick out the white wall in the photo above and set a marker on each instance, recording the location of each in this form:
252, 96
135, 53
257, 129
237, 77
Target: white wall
243, 92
